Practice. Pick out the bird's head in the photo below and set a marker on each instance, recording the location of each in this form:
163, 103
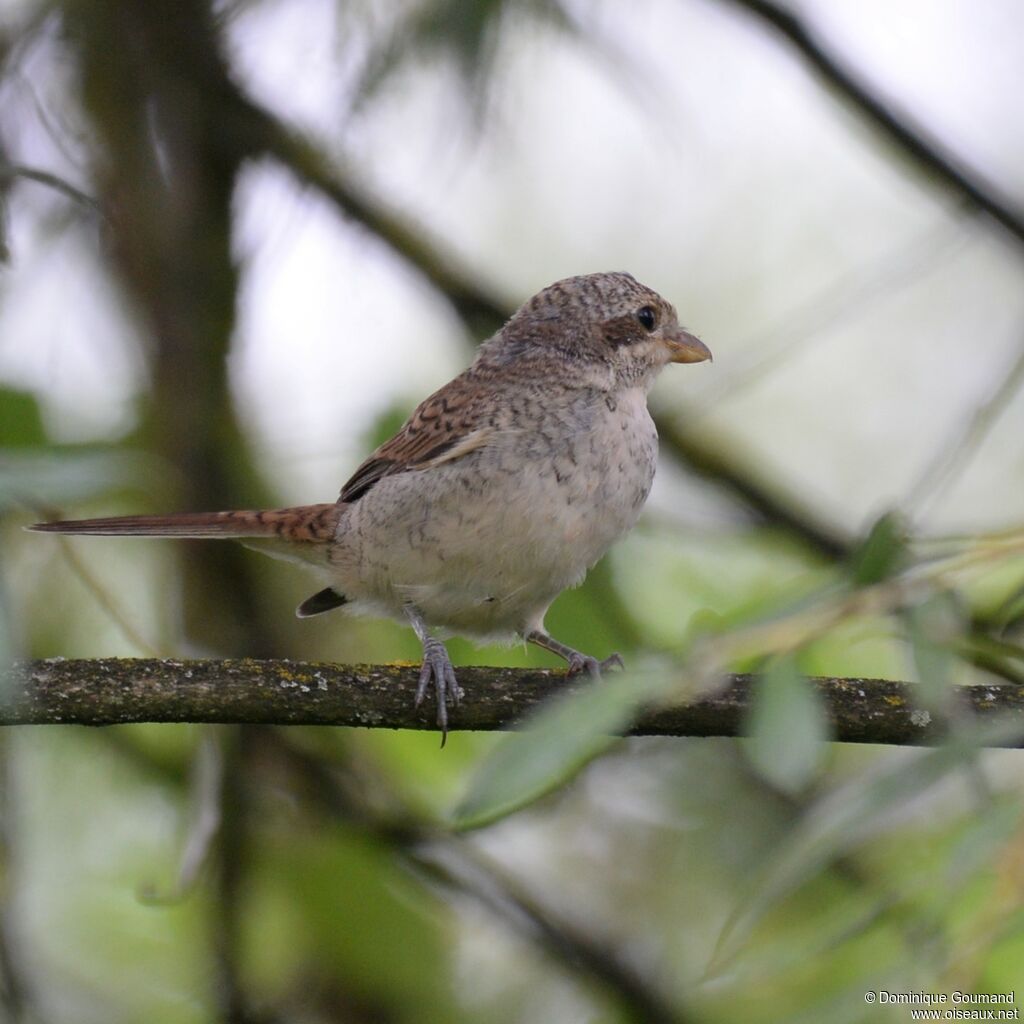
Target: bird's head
604, 327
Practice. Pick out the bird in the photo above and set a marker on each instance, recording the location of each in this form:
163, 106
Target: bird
501, 490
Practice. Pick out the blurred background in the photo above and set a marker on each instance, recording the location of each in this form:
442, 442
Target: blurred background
242, 239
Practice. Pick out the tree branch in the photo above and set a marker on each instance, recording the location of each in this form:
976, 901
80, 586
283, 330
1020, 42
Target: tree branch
910, 138
481, 311
114, 691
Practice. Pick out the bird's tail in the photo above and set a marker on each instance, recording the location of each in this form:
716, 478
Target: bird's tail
309, 523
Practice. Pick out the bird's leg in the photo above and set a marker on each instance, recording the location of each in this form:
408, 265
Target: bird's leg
577, 662
437, 666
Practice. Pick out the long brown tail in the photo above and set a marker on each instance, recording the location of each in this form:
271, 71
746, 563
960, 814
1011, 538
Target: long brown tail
304, 523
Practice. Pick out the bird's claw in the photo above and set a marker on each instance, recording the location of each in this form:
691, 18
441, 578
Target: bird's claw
580, 664
612, 661
437, 668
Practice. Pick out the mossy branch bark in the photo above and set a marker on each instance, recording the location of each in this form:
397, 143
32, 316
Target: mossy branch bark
113, 691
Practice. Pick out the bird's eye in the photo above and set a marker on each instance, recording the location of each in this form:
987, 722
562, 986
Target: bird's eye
647, 317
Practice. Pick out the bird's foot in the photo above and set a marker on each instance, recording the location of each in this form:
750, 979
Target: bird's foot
583, 664
579, 664
437, 669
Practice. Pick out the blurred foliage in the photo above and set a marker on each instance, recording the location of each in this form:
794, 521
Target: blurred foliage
788, 728
564, 735
353, 876
460, 35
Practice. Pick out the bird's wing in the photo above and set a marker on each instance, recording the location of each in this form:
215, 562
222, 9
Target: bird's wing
451, 423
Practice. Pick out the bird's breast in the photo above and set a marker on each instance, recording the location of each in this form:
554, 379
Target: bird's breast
499, 533
605, 475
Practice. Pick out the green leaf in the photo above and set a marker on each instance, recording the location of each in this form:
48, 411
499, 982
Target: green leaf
788, 728
882, 553
1011, 609
934, 628
999, 656
556, 742
332, 904
20, 421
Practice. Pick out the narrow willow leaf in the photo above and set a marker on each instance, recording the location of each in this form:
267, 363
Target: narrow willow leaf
556, 742
882, 553
787, 727
934, 628
1011, 609
999, 656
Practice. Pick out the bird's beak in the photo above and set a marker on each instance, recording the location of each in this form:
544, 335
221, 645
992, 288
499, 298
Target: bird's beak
686, 347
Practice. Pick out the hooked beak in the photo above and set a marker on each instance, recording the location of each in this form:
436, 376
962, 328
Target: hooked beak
687, 348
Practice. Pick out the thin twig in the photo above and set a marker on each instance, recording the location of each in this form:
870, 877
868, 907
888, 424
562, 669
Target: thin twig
206, 790
955, 453
11, 172
105, 600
